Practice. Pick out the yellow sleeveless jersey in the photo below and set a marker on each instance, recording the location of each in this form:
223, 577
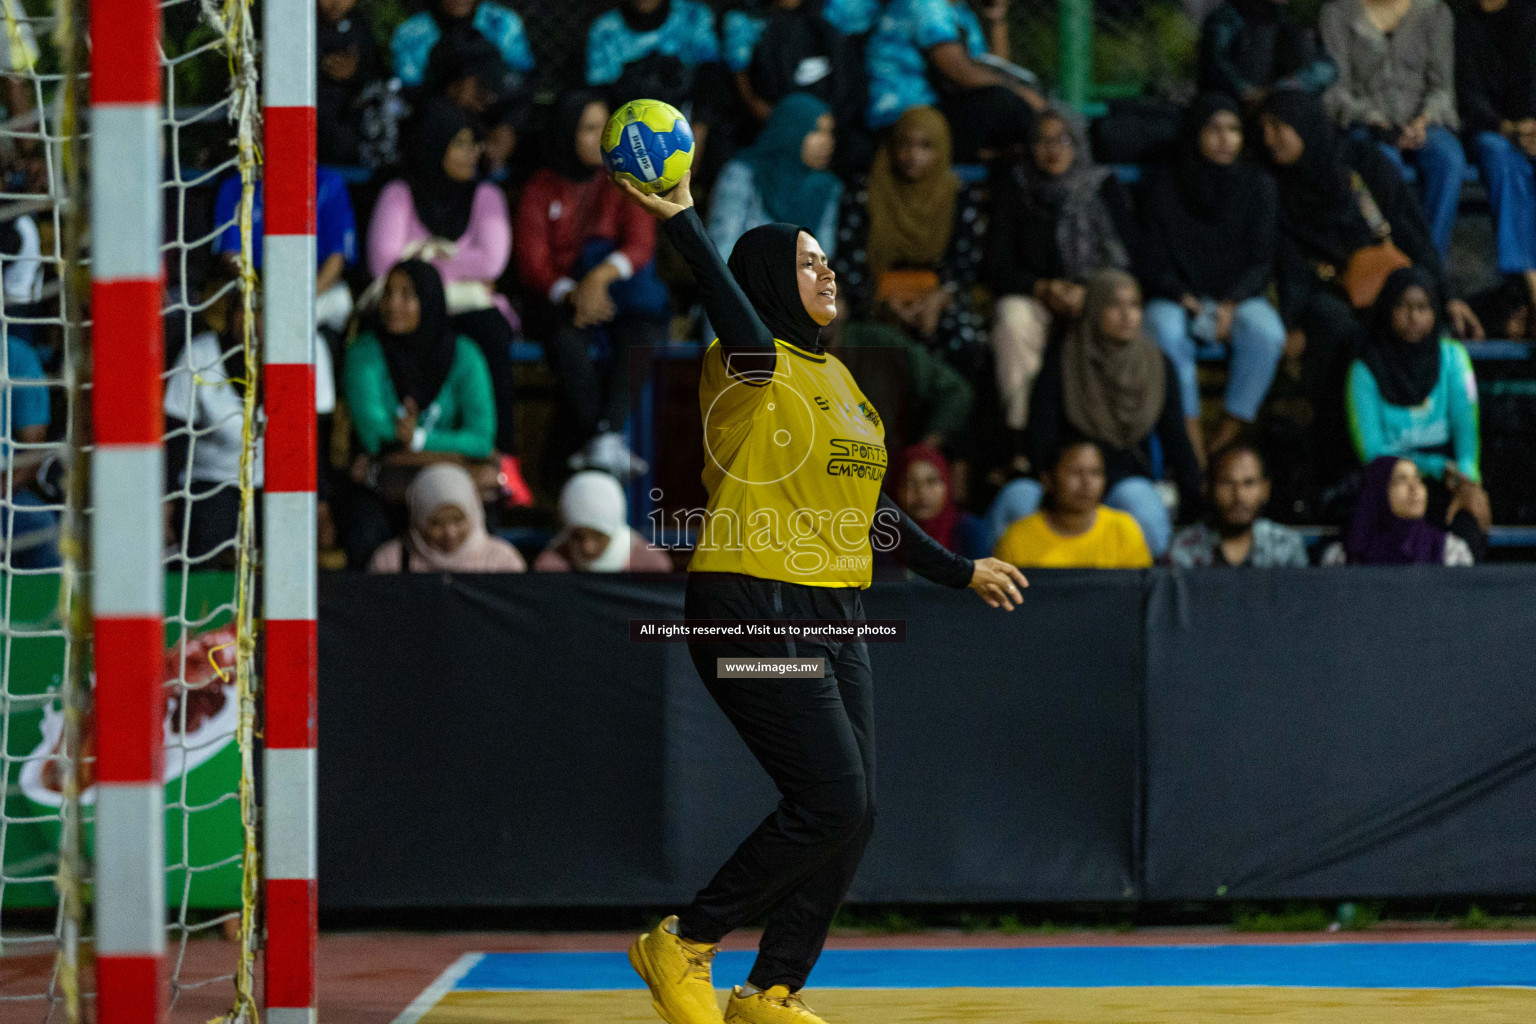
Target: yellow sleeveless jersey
793, 464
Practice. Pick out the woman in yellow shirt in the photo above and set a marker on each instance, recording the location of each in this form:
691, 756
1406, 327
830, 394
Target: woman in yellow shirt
1072, 530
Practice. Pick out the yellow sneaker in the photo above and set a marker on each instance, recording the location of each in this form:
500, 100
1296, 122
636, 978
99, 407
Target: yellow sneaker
778, 1005
677, 973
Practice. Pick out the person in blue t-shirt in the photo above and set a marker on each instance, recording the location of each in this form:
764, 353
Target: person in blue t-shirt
411, 46
30, 522
933, 53
665, 50
335, 239
1412, 394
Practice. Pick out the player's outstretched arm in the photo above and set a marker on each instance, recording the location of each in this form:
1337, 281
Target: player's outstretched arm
741, 330
998, 582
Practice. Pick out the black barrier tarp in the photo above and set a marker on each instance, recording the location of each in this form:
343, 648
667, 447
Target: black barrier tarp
496, 741
1360, 732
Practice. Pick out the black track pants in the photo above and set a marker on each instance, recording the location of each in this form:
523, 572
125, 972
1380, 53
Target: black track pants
816, 739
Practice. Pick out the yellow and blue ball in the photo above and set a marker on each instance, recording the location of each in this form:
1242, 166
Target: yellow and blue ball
649, 144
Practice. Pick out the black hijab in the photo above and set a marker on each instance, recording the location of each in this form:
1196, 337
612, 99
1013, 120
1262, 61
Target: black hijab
763, 264
1212, 192
419, 362
1317, 197
638, 22
1204, 213
442, 204
560, 140
1406, 372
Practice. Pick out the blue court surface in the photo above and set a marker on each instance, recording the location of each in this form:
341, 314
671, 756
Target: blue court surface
1400, 965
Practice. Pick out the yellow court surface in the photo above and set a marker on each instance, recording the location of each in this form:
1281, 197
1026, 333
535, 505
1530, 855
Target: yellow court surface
1038, 1006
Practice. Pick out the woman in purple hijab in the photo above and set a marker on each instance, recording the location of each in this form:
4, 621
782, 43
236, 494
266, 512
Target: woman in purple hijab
1388, 526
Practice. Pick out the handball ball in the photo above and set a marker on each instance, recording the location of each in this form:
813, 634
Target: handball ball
648, 143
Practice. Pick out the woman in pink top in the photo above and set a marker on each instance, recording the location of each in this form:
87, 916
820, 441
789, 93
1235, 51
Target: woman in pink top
447, 531
440, 213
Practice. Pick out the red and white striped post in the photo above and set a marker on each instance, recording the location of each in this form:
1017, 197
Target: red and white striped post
127, 486
288, 578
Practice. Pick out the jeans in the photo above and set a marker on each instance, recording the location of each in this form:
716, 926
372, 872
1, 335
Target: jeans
1507, 173
1135, 495
1258, 341
1441, 163
816, 739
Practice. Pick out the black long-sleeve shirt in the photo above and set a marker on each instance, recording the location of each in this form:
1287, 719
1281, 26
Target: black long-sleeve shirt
1495, 65
1049, 428
1227, 259
1295, 270
1022, 240
746, 339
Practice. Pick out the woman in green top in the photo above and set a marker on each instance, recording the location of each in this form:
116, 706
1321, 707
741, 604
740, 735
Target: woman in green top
412, 384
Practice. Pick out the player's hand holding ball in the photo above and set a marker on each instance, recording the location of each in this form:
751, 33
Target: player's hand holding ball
648, 146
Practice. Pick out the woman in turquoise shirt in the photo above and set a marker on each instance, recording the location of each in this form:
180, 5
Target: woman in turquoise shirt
1412, 394
418, 394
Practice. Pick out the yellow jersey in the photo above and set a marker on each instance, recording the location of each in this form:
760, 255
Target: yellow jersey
1114, 541
793, 463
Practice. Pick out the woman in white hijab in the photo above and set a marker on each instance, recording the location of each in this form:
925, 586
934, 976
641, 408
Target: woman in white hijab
447, 532
597, 537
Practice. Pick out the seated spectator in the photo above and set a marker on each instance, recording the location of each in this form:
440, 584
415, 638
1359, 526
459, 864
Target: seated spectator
923, 492
413, 384
596, 536
335, 239
921, 46
781, 177
439, 213
910, 241
586, 260
1109, 383
663, 50
801, 53
31, 499
1211, 232
1251, 49
1396, 86
467, 71
1057, 220
1236, 534
447, 529
1341, 201
204, 404
1071, 529
418, 393
21, 280
1412, 395
411, 46
1496, 90
1388, 526
349, 64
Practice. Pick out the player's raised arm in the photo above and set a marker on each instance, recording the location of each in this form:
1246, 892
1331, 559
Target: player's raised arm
740, 329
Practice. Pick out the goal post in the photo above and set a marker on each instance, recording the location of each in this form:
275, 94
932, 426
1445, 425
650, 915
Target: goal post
289, 583
127, 593
164, 381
